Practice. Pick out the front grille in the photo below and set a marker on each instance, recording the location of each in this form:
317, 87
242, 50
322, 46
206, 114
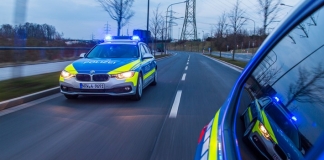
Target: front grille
83, 77
100, 77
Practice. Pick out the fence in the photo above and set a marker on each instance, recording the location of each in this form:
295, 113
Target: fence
10, 56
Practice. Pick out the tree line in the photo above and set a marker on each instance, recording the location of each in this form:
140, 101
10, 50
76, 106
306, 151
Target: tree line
30, 31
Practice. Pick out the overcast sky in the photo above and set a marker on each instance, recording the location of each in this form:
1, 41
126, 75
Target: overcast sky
79, 19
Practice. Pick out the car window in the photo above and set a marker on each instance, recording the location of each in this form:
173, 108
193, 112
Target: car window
147, 49
113, 51
292, 74
143, 50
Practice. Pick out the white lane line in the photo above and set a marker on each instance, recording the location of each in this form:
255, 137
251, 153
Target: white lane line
29, 104
175, 106
189, 57
186, 68
183, 77
226, 64
187, 63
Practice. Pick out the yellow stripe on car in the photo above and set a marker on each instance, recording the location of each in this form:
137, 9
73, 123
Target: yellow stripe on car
250, 114
268, 126
133, 79
149, 73
213, 145
61, 79
70, 68
124, 68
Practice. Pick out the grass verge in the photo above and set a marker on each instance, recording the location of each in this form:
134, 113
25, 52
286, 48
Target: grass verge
25, 85
241, 64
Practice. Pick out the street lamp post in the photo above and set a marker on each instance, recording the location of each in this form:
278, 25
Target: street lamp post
166, 20
166, 17
253, 29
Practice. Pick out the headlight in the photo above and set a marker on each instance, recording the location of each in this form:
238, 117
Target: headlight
264, 131
66, 74
124, 75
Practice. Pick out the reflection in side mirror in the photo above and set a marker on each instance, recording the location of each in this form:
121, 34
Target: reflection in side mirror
82, 55
147, 56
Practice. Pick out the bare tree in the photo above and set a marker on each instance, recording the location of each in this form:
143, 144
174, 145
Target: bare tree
221, 28
118, 10
236, 21
309, 87
156, 22
269, 10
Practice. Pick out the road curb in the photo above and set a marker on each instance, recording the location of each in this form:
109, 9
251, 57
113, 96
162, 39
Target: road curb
225, 63
27, 98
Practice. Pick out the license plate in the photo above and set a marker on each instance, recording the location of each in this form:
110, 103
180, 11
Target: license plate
92, 86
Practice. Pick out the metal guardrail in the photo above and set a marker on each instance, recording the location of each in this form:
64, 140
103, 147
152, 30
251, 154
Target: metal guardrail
11, 56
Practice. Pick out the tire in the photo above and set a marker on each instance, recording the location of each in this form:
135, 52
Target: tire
154, 82
139, 89
248, 130
68, 96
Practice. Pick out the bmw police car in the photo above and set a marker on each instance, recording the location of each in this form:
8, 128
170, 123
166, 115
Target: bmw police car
271, 129
117, 67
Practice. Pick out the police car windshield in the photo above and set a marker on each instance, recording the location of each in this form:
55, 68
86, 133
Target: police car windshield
281, 120
114, 51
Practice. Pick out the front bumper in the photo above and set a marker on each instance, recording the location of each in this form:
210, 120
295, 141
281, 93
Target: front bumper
113, 86
266, 147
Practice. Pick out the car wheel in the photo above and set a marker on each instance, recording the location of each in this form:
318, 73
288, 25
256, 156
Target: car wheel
139, 88
155, 78
248, 130
68, 96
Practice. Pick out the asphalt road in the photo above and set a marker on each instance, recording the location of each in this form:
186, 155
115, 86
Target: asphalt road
119, 128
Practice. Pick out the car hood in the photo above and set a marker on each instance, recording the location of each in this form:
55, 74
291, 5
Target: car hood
99, 65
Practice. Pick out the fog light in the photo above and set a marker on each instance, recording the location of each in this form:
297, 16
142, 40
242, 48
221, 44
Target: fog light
127, 88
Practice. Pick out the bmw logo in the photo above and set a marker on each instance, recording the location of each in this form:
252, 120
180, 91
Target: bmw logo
92, 72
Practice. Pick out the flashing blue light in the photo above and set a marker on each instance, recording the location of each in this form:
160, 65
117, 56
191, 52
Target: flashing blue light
294, 118
107, 38
136, 38
276, 98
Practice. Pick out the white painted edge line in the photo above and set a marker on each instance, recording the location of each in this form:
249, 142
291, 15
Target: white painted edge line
7, 101
28, 104
183, 77
175, 106
172, 54
186, 68
238, 69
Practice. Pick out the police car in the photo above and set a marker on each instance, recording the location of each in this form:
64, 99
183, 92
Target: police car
271, 129
117, 67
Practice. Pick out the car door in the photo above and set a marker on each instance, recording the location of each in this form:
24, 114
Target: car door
145, 64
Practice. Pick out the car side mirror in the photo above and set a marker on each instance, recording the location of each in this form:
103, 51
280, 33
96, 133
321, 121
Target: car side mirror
82, 55
147, 56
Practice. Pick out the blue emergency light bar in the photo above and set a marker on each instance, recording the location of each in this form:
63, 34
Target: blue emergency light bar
110, 38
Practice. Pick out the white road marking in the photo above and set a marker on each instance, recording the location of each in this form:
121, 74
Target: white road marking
29, 104
175, 106
187, 63
226, 64
186, 68
183, 77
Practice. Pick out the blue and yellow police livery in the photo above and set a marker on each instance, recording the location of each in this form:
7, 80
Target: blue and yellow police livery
117, 67
270, 128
